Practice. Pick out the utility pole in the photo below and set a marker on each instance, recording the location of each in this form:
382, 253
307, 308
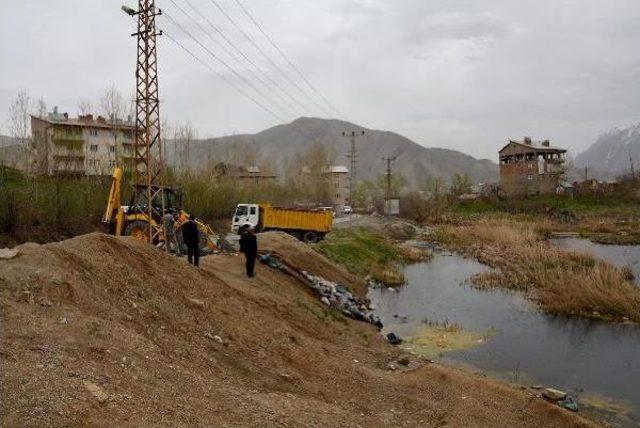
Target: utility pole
148, 160
633, 170
387, 193
353, 157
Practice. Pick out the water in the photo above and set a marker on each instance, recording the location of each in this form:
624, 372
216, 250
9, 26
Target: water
619, 255
578, 356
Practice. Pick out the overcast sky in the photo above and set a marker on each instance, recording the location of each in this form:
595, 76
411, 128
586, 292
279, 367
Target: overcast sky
458, 74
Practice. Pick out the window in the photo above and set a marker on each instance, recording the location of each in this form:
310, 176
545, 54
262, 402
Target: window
529, 177
93, 132
93, 147
112, 149
112, 164
252, 210
242, 210
337, 195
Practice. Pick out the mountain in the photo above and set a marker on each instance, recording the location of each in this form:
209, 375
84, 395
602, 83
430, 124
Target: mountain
609, 155
278, 147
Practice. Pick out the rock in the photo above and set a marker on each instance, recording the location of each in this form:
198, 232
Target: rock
215, 337
96, 391
392, 366
46, 303
325, 301
553, 394
197, 302
8, 253
394, 339
404, 361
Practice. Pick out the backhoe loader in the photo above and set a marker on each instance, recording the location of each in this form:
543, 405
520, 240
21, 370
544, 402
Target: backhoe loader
133, 220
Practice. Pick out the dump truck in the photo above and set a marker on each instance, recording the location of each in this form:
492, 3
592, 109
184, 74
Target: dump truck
133, 219
306, 225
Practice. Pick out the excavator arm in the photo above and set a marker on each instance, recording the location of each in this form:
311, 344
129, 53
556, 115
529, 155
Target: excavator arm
115, 194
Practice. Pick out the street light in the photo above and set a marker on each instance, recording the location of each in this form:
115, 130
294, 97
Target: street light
129, 11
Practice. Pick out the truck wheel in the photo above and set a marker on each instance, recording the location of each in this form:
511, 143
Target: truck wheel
242, 230
138, 229
310, 237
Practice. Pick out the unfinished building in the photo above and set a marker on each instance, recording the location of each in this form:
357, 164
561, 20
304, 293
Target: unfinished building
531, 167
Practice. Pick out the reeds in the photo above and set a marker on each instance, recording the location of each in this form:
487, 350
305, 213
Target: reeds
562, 282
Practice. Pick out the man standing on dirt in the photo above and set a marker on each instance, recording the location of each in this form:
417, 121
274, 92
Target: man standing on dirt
249, 246
171, 241
190, 236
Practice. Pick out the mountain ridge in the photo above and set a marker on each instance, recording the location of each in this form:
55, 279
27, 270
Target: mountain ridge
278, 146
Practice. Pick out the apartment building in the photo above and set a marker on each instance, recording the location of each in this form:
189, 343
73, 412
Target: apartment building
80, 146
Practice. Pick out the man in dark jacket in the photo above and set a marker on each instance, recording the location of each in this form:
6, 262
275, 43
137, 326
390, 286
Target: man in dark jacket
249, 246
190, 236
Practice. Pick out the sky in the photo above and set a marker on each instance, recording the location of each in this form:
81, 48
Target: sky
459, 74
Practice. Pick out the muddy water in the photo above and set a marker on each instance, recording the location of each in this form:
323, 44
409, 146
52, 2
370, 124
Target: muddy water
581, 357
619, 255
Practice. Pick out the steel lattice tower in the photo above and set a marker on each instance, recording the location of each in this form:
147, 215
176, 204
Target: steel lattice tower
148, 156
353, 158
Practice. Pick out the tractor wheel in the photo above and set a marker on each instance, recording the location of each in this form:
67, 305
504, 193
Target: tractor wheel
310, 237
138, 229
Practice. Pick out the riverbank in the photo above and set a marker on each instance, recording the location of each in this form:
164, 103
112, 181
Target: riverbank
115, 330
560, 282
370, 253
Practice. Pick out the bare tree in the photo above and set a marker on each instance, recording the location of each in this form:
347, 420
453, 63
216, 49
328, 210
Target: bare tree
84, 107
185, 134
42, 108
20, 127
113, 107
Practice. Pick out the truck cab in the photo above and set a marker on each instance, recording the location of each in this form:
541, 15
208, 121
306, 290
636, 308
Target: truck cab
246, 215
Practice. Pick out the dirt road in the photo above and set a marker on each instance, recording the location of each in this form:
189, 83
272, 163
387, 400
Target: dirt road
87, 339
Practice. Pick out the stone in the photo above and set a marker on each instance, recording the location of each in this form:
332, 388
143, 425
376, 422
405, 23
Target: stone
325, 301
394, 339
8, 253
569, 403
405, 361
553, 394
197, 302
96, 391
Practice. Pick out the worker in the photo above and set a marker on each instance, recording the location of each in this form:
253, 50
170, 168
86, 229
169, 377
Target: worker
190, 236
169, 223
249, 246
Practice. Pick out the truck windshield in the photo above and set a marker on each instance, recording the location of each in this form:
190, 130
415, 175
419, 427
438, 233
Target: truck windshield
241, 210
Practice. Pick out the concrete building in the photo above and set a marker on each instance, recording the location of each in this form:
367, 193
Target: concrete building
80, 146
336, 179
245, 175
529, 167
339, 180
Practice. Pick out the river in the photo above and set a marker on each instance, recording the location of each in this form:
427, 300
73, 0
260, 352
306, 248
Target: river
579, 356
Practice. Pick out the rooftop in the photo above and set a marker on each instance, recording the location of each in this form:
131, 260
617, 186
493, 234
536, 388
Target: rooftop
87, 120
544, 145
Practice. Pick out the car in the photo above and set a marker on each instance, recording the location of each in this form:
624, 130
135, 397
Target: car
347, 209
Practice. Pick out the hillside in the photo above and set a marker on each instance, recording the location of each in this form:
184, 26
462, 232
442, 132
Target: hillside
88, 339
277, 148
609, 155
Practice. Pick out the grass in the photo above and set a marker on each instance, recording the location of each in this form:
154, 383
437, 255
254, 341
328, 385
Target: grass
367, 253
561, 282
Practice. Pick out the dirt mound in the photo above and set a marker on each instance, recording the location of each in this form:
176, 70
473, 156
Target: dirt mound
107, 331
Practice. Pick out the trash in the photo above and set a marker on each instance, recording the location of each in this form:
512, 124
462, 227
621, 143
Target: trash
338, 297
270, 261
553, 394
394, 339
8, 253
197, 302
568, 403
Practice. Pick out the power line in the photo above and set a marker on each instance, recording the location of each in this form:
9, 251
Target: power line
286, 58
262, 82
222, 76
267, 57
227, 66
294, 108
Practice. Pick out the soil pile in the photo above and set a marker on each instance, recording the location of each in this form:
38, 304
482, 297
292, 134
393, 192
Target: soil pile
107, 331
